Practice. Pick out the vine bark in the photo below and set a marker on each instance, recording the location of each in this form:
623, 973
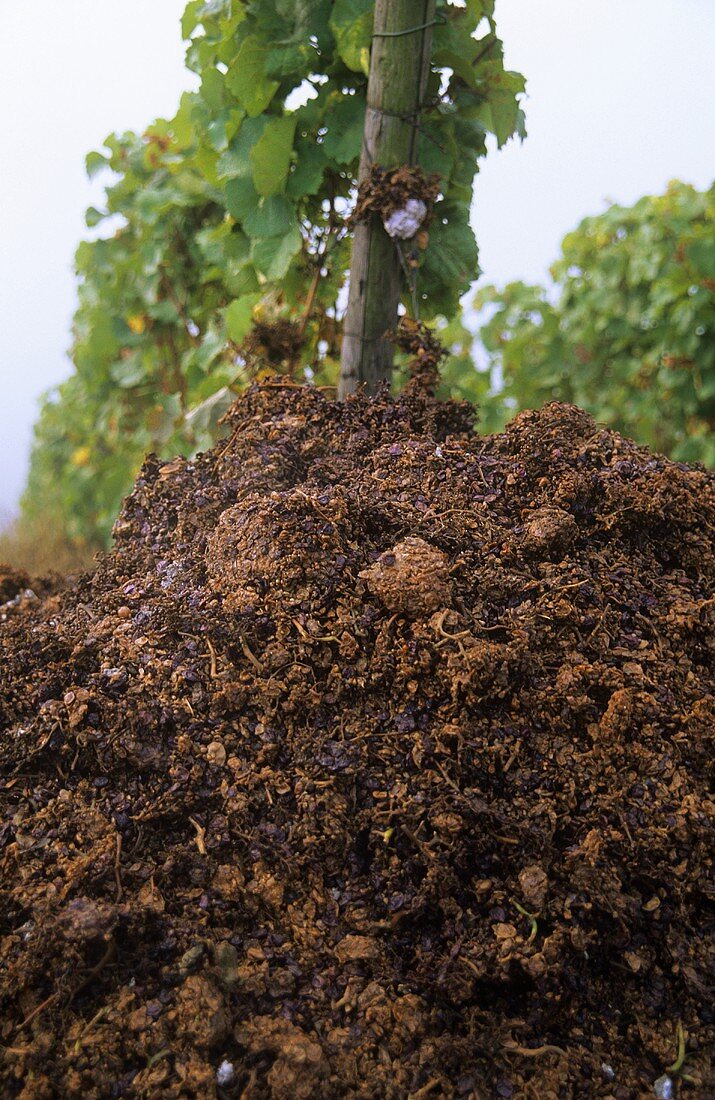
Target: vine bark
399, 68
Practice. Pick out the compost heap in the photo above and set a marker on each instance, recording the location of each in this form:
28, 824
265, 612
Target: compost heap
370, 763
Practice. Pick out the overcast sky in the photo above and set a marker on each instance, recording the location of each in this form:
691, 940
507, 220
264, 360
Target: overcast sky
621, 96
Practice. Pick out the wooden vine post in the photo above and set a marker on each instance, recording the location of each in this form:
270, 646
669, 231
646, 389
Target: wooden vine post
399, 68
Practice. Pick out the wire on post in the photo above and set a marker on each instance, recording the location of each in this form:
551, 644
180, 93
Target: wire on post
439, 20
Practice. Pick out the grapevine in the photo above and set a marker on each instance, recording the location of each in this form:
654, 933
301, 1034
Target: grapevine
626, 331
234, 213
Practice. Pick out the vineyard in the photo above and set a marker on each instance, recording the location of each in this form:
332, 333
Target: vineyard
372, 758
232, 248
630, 334
228, 242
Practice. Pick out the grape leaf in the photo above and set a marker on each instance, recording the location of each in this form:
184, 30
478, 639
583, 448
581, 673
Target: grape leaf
271, 155
94, 162
129, 372
307, 175
212, 88
702, 256
272, 217
239, 317
345, 122
352, 23
191, 17
451, 261
236, 159
241, 197
247, 78
93, 216
272, 255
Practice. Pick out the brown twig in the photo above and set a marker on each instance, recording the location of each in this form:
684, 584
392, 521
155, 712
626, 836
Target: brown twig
535, 1052
426, 1089
200, 836
117, 867
213, 670
310, 300
108, 954
106, 957
40, 1008
250, 655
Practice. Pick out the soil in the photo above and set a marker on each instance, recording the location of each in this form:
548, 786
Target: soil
371, 762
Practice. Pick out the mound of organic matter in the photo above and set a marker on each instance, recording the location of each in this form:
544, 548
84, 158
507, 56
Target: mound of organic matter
372, 762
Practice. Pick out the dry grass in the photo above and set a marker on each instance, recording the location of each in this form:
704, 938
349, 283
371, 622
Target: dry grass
41, 550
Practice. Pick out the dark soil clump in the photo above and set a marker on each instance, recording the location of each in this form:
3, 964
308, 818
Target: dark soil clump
12, 583
372, 762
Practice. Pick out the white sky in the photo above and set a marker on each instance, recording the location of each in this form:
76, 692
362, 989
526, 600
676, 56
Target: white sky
621, 99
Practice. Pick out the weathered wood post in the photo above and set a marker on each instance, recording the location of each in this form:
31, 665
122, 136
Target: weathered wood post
399, 68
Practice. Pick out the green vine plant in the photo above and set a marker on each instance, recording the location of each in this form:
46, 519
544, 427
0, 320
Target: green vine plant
232, 249
626, 331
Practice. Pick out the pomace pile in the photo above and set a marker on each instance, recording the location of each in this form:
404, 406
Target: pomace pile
372, 762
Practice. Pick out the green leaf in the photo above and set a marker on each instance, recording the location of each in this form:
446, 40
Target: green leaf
241, 279
204, 356
500, 112
94, 162
289, 60
212, 88
165, 312
272, 255
93, 216
438, 150
237, 248
102, 341
702, 255
452, 259
130, 371
271, 155
307, 175
239, 317
247, 78
352, 24
345, 122
236, 160
216, 132
274, 216
241, 197
455, 51
191, 18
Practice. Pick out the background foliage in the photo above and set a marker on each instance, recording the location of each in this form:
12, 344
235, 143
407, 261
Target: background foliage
628, 331
226, 250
